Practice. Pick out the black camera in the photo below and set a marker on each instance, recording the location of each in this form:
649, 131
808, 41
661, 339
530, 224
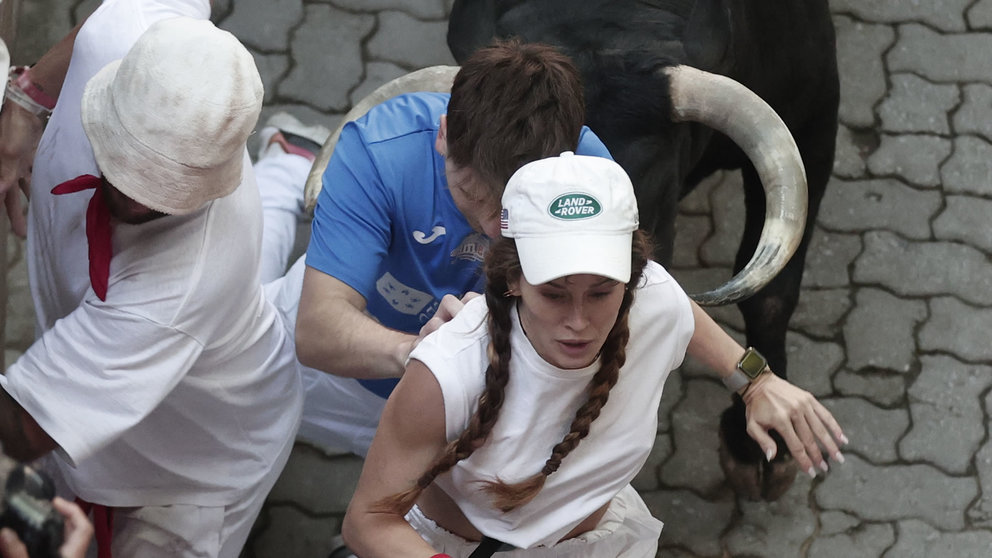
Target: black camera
27, 509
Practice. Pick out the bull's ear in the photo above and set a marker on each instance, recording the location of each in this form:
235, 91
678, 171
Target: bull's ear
708, 35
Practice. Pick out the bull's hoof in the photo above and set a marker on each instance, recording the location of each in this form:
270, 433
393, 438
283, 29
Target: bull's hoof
746, 469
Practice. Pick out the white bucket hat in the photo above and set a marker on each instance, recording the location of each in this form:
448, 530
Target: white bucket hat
570, 214
168, 122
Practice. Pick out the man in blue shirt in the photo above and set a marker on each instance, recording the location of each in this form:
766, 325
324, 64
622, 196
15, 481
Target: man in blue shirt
410, 199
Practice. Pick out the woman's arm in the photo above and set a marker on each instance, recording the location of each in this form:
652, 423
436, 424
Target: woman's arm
772, 403
411, 435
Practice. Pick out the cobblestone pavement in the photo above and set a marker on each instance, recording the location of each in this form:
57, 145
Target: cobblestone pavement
892, 328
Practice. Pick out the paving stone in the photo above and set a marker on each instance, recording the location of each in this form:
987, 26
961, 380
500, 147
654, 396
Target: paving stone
828, 258
318, 79
878, 204
968, 169
812, 363
695, 459
820, 311
879, 331
774, 528
264, 24
837, 522
980, 14
974, 116
873, 431
727, 200
315, 482
915, 159
924, 268
941, 57
896, 492
409, 42
862, 83
943, 399
690, 521
271, 68
376, 74
648, 478
691, 231
697, 201
958, 329
288, 531
964, 218
865, 541
422, 9
916, 105
916, 539
980, 512
851, 153
945, 15
880, 387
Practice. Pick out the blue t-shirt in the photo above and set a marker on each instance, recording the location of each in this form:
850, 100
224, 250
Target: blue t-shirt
385, 223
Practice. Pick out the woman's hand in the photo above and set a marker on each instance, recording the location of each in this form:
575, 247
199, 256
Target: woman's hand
802, 421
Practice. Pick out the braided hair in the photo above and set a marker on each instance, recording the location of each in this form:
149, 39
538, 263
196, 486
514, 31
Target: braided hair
502, 268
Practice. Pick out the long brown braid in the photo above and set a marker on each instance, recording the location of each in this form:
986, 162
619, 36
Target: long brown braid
503, 267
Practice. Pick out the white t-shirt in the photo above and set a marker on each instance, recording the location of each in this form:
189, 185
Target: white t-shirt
181, 387
540, 403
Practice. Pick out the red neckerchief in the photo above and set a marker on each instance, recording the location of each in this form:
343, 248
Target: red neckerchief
98, 230
103, 525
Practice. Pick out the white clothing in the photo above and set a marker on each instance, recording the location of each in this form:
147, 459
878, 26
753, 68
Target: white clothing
540, 403
56, 257
181, 388
338, 413
627, 530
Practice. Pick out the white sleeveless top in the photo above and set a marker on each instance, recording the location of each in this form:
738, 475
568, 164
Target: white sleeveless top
540, 403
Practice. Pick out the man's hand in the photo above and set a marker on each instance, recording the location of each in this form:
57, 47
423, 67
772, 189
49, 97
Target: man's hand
449, 308
78, 531
20, 132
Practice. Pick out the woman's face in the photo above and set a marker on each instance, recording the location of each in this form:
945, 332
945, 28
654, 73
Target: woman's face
567, 320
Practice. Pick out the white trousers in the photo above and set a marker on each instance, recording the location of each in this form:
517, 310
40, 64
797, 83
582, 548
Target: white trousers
627, 530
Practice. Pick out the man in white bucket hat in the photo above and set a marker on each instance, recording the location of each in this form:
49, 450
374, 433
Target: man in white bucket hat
170, 393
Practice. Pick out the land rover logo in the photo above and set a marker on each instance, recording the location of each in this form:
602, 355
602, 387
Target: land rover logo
574, 206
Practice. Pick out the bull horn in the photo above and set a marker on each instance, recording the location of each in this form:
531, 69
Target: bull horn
727, 106
432, 78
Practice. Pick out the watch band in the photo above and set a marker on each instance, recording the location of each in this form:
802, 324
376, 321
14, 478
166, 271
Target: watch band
736, 380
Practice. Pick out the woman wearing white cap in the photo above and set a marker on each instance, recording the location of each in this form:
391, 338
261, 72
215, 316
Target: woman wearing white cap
521, 422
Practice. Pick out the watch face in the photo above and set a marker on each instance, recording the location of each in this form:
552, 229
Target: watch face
752, 363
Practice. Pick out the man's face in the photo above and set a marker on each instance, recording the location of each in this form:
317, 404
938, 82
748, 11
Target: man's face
123, 208
473, 199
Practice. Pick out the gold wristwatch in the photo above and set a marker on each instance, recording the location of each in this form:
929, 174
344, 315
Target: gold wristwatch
749, 367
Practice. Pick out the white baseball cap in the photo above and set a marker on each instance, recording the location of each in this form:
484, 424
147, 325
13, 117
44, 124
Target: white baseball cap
570, 214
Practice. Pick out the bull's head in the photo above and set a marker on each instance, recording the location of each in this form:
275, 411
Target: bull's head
696, 96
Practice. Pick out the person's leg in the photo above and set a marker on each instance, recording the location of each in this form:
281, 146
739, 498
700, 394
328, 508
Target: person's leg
187, 531
287, 152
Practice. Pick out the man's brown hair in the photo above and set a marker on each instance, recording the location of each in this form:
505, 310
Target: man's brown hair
513, 103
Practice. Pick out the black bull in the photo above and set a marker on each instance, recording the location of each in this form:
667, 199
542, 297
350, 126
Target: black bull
782, 51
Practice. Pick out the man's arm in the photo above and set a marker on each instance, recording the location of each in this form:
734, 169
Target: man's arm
334, 334
21, 436
20, 129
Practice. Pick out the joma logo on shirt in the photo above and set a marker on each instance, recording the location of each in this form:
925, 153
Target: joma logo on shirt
574, 206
